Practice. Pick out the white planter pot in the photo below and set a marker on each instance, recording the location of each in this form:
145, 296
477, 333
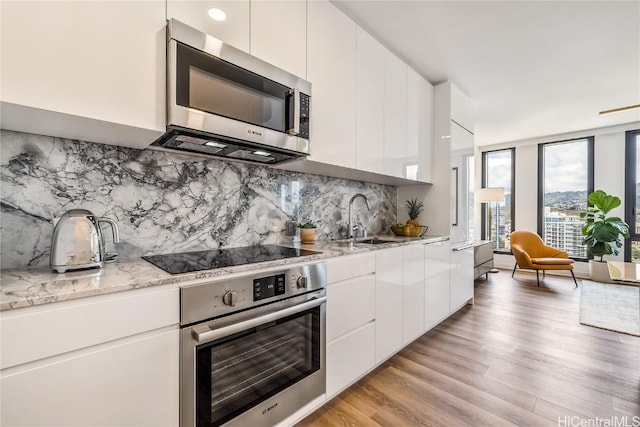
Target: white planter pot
599, 271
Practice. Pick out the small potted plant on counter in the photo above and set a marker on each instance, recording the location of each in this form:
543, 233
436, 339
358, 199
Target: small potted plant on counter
603, 234
307, 232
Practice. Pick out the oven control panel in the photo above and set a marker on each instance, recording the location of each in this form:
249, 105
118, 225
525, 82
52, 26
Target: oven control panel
215, 298
267, 287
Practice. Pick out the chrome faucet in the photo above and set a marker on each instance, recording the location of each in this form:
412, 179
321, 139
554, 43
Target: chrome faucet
349, 226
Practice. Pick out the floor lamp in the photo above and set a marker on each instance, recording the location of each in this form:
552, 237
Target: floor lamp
490, 195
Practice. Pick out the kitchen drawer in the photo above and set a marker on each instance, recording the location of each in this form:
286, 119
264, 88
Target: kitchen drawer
34, 333
131, 382
350, 304
349, 358
349, 266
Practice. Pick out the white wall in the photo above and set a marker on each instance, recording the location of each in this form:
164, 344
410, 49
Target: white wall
609, 150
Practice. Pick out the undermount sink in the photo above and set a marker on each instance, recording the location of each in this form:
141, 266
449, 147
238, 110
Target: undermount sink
374, 241
366, 241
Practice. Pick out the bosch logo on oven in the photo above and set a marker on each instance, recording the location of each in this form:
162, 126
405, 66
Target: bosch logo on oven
264, 412
253, 132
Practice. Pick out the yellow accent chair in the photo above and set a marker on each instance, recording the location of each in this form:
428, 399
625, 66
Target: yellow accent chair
531, 253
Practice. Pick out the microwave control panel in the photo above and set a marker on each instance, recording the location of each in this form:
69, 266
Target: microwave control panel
305, 105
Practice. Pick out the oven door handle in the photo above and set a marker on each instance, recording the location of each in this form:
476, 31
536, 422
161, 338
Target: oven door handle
212, 335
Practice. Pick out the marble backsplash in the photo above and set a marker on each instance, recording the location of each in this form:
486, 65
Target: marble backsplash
165, 202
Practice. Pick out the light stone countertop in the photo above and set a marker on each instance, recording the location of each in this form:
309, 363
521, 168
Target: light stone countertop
37, 286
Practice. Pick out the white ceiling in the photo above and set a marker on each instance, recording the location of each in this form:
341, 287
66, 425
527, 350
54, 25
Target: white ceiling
533, 68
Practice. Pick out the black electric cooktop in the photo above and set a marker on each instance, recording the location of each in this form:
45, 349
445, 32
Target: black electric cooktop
188, 262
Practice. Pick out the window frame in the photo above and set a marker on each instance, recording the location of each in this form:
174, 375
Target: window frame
590, 179
630, 190
484, 213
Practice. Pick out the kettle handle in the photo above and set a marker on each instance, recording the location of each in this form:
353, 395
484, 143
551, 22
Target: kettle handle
114, 228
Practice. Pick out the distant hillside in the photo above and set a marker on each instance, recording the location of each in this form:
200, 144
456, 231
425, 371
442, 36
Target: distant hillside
575, 200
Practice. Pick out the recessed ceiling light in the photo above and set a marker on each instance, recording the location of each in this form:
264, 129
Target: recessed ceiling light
217, 14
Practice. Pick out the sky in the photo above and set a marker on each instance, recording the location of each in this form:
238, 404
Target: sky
565, 167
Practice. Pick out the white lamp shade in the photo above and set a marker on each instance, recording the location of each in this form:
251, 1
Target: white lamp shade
490, 194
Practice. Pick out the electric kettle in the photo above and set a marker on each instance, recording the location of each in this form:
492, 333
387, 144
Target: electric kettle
78, 241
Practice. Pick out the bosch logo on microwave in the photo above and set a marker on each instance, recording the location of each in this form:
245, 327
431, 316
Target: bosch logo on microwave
253, 132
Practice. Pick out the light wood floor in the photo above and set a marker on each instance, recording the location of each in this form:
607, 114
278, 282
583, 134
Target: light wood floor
517, 357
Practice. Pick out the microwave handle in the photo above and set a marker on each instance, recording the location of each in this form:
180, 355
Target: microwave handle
295, 93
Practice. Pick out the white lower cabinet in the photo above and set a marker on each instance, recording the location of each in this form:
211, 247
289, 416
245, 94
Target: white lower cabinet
351, 311
461, 277
437, 271
133, 382
412, 293
110, 360
389, 289
349, 358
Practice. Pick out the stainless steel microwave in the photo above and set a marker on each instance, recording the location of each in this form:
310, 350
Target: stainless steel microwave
223, 102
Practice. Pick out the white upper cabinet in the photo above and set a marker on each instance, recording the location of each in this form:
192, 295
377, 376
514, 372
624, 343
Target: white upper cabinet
369, 104
395, 115
452, 143
70, 68
419, 127
279, 34
331, 69
195, 13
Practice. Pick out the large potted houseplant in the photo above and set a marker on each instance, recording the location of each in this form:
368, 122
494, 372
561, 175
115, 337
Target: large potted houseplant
603, 234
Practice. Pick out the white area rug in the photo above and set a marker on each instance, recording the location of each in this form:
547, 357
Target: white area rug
610, 306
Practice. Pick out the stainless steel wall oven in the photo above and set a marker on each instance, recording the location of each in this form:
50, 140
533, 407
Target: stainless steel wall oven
253, 348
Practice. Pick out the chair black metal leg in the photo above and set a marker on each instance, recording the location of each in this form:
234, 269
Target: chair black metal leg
574, 278
514, 269
544, 274
538, 277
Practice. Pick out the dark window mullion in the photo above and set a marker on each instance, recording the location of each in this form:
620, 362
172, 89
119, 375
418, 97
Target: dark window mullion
631, 147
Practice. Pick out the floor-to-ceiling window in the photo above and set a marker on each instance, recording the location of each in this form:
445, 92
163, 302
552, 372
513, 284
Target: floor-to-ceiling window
632, 196
565, 179
498, 171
